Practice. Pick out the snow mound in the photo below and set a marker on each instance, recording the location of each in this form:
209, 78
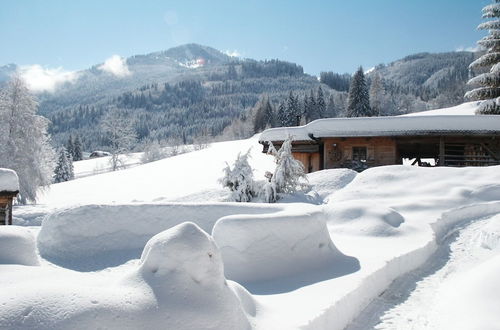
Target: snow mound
489, 237
478, 285
468, 108
17, 246
179, 284
96, 236
362, 218
327, 182
487, 193
184, 266
279, 252
8, 180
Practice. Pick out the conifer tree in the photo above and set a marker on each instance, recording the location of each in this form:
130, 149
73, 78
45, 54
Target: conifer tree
239, 179
77, 149
264, 114
312, 111
332, 109
70, 146
489, 82
358, 102
293, 113
377, 95
289, 175
320, 103
282, 115
64, 168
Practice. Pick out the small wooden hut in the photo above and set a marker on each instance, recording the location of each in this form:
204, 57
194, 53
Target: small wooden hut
360, 143
9, 188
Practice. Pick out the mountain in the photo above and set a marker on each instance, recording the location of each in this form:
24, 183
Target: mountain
182, 93
191, 91
6, 71
435, 80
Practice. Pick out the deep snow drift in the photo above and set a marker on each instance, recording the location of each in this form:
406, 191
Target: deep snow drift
93, 237
280, 252
178, 284
362, 230
17, 246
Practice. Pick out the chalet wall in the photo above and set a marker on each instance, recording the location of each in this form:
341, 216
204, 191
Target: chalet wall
380, 151
311, 161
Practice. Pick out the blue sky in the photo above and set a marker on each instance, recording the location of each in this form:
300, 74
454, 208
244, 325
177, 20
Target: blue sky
336, 35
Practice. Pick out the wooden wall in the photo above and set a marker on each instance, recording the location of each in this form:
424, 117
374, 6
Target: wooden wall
380, 151
310, 160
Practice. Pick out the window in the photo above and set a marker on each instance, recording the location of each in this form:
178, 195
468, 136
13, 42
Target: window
359, 153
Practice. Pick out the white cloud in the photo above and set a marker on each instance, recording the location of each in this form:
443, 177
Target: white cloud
40, 79
469, 49
115, 65
232, 53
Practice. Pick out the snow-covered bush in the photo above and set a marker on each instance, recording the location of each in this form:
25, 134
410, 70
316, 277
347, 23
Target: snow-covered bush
153, 152
289, 175
239, 179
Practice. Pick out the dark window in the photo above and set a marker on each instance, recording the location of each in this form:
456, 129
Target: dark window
359, 153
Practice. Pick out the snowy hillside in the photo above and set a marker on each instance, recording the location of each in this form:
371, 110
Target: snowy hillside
156, 246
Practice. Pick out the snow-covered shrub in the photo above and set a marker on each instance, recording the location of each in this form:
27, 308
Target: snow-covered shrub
153, 152
289, 175
268, 192
239, 179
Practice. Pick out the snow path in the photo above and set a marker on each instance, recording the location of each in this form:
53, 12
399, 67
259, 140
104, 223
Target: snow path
410, 301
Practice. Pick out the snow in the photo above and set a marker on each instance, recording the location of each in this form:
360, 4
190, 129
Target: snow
315, 261
387, 126
178, 284
17, 246
8, 180
468, 108
280, 251
99, 236
152, 182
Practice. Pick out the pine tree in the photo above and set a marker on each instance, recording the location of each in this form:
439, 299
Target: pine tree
358, 103
331, 108
264, 114
24, 142
64, 168
292, 111
320, 103
281, 115
377, 95
239, 179
70, 146
289, 175
77, 149
312, 110
489, 82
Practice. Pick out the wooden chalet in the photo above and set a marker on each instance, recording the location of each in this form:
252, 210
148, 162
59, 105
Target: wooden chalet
9, 188
360, 143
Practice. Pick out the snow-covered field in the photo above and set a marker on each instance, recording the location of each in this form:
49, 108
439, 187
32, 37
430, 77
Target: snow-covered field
156, 246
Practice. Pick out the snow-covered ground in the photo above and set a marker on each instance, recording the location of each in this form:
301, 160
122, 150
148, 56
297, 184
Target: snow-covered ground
156, 246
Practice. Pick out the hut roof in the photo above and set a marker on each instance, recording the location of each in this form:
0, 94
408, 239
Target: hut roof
388, 126
8, 180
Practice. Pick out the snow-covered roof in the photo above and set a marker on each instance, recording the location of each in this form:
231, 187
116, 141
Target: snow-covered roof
8, 180
387, 126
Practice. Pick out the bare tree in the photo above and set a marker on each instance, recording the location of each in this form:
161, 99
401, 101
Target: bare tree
24, 142
120, 134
